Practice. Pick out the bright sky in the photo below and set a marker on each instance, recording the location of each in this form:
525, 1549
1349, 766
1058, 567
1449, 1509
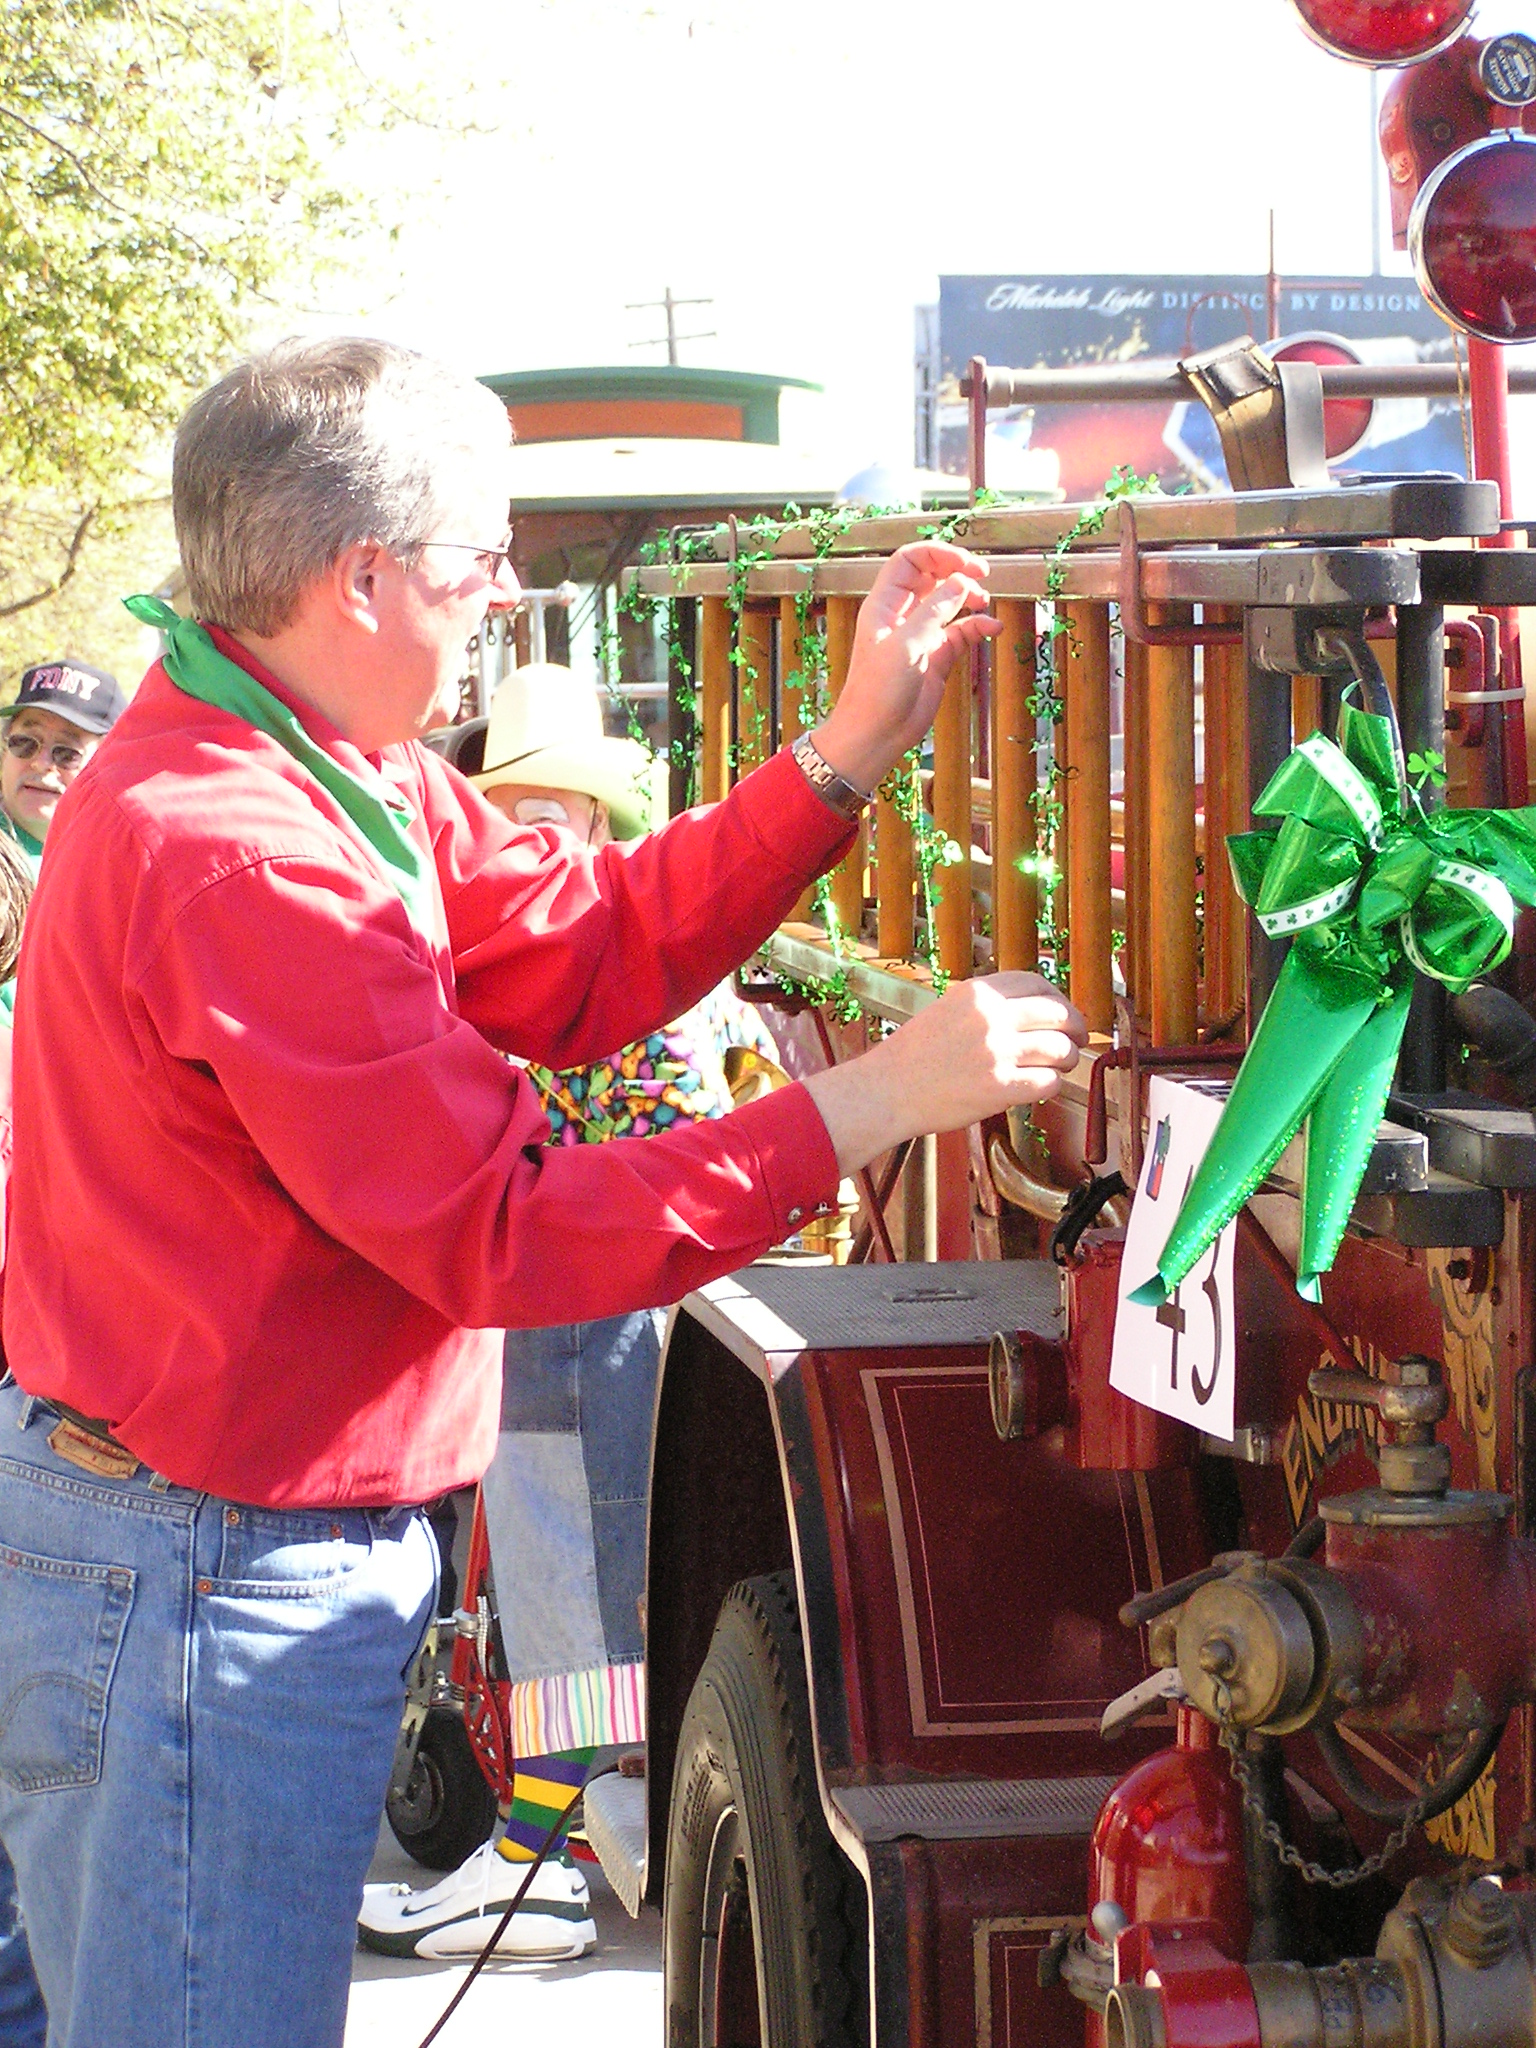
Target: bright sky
813, 165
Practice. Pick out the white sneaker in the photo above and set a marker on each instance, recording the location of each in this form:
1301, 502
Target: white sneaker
455, 1919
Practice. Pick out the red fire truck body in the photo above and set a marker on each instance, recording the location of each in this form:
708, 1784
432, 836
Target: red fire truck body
987, 1704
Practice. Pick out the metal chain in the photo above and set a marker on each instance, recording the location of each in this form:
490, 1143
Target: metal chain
1253, 1806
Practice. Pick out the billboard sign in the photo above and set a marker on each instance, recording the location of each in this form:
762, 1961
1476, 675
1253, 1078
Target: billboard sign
1028, 321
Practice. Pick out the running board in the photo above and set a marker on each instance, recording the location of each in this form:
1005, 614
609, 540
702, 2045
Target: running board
614, 1809
972, 1809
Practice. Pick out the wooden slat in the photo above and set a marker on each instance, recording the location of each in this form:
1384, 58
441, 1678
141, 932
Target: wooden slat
1306, 707
952, 816
1171, 805
848, 875
1015, 896
1226, 812
754, 688
1327, 575
895, 908
797, 711
1138, 903
715, 678
1088, 880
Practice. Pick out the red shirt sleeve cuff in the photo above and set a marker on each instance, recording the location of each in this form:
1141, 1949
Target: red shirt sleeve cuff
794, 825
797, 1168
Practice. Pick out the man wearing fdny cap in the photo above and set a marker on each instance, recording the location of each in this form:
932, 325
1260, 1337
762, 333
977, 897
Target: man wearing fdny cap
54, 726
60, 713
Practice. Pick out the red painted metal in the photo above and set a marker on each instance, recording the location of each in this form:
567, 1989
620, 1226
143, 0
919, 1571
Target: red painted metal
1488, 385
1436, 1661
1428, 113
737, 2022
1137, 1059
1469, 661
486, 1699
1109, 1432
1169, 1841
1207, 1999
978, 1583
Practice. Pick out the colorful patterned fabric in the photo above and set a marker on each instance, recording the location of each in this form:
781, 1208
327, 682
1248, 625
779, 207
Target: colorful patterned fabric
542, 1787
582, 1709
659, 1081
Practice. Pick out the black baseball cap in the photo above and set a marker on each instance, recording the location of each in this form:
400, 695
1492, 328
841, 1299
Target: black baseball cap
87, 697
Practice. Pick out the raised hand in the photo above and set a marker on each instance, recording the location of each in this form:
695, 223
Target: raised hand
927, 605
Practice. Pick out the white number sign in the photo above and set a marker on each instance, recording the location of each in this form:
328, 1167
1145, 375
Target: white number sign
1177, 1358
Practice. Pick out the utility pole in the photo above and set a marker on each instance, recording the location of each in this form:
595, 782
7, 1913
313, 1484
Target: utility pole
669, 305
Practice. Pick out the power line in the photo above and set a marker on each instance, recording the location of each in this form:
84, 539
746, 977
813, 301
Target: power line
668, 304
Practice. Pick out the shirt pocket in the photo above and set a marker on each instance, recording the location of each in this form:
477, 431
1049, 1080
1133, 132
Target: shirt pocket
267, 1554
61, 1628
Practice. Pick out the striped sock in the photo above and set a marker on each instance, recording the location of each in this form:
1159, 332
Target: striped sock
541, 1791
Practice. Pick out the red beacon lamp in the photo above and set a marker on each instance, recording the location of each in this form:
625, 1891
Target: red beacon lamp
1472, 237
1380, 32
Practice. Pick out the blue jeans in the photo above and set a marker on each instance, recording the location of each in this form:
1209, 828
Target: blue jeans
23, 2021
198, 1708
565, 1495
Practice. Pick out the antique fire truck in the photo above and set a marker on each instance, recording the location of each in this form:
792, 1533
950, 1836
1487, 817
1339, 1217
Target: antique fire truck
987, 1702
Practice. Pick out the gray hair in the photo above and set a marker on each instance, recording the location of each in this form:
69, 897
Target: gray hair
302, 452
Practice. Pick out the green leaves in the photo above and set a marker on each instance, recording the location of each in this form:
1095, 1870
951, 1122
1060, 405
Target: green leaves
161, 170
1426, 768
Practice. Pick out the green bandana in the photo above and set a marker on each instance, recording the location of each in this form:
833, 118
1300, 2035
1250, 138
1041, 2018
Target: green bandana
380, 814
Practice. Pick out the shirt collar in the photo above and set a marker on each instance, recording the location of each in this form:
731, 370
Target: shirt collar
396, 782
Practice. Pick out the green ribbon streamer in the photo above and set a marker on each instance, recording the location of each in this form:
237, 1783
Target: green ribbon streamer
380, 813
1368, 887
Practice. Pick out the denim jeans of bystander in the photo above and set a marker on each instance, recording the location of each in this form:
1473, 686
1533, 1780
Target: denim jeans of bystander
198, 1708
23, 2017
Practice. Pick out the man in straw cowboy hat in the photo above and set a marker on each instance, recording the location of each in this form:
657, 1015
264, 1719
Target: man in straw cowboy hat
291, 1191
545, 758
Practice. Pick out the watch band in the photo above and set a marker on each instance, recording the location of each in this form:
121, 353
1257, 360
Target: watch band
833, 789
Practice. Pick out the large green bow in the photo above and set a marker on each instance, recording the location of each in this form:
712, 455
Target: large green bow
1368, 887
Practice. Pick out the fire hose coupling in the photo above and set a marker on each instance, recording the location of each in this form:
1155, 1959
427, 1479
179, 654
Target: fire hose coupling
1378, 1626
1455, 1967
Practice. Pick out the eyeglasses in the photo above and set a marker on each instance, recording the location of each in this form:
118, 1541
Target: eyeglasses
25, 744
490, 559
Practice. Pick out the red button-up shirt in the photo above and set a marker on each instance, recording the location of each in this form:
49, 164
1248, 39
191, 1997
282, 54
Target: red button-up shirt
274, 1188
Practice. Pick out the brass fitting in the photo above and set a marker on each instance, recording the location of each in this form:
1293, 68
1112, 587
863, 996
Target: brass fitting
1454, 1968
1272, 1645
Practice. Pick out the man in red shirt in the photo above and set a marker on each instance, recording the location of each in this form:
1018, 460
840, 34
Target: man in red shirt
276, 1190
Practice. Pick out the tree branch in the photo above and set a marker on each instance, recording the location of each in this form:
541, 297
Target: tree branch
71, 563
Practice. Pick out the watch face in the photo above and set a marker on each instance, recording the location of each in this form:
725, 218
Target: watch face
1507, 68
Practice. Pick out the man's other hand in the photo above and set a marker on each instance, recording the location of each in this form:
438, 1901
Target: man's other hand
926, 607
985, 1045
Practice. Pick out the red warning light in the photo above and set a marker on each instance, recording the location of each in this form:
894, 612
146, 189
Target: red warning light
1384, 31
1346, 421
1472, 236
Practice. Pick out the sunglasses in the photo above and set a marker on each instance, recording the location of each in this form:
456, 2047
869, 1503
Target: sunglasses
25, 744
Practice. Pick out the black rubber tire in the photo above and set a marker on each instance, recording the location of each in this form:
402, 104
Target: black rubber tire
447, 1809
748, 1849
